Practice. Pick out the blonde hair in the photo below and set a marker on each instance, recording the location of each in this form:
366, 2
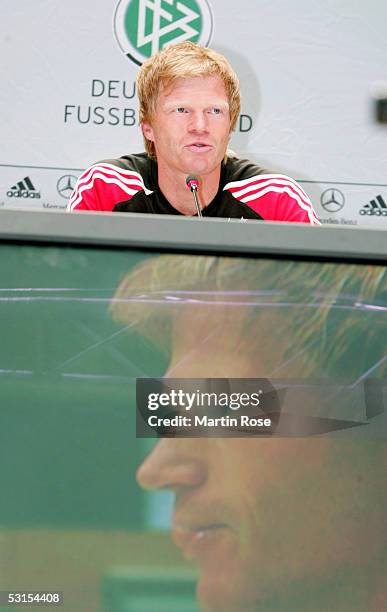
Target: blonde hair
183, 60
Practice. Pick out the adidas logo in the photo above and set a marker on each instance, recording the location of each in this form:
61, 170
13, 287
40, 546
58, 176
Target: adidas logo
376, 207
23, 189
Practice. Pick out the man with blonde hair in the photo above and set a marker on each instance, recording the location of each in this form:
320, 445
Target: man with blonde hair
189, 104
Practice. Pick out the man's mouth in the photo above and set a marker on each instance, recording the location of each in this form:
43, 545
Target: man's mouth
196, 540
198, 146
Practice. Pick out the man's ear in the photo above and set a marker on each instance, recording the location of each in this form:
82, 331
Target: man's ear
147, 131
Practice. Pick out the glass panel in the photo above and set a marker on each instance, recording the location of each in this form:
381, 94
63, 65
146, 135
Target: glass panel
291, 522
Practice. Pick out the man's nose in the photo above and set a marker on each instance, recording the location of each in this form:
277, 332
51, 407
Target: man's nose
172, 464
198, 122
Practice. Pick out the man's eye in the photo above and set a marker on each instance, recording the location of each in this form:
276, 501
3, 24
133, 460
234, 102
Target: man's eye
216, 110
181, 109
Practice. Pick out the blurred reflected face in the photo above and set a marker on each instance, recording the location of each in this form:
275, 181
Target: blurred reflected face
264, 518
267, 521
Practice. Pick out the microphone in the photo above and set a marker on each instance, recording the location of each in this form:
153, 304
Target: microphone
192, 183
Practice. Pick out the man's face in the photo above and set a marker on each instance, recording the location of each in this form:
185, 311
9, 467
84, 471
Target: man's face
190, 126
267, 521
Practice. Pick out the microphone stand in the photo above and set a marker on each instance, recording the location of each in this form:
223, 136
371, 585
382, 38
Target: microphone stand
194, 190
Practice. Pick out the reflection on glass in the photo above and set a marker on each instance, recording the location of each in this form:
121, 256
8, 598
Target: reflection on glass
282, 523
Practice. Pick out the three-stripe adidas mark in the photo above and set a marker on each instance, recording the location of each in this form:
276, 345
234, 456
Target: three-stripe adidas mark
23, 189
376, 207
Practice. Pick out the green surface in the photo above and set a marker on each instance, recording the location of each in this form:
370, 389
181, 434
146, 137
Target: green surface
67, 444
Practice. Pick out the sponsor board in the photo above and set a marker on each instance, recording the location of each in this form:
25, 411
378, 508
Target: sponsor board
341, 203
38, 188
348, 204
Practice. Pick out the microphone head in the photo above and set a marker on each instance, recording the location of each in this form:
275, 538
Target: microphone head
192, 182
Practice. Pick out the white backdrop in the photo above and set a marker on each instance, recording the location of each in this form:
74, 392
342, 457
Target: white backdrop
306, 69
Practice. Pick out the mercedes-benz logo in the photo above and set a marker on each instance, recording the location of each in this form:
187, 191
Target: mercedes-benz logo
65, 185
332, 200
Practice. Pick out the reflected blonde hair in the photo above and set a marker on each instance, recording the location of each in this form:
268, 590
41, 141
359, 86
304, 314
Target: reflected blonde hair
323, 311
183, 60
